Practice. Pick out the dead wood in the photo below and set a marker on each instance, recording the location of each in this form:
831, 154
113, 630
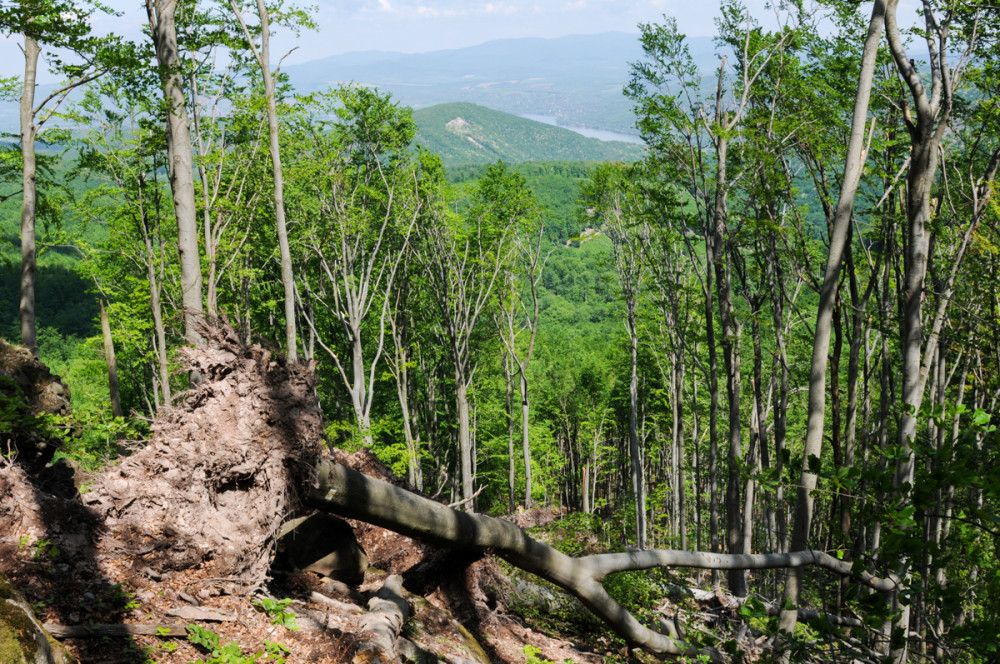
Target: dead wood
353, 495
98, 631
336, 605
381, 626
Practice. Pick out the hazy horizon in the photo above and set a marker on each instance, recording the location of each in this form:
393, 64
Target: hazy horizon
423, 26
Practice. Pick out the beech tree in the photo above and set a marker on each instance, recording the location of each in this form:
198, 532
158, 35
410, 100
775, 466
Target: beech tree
126, 148
927, 123
366, 185
262, 54
516, 315
162, 16
463, 258
853, 165
617, 199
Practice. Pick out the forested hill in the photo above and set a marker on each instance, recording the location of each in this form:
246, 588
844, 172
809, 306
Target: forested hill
577, 78
465, 133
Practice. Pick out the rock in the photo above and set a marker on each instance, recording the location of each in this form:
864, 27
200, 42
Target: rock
324, 544
23, 640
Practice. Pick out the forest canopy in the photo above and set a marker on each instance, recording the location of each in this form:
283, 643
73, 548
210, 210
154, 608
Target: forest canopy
775, 333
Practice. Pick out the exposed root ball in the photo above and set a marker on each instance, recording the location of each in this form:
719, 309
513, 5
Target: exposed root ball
223, 469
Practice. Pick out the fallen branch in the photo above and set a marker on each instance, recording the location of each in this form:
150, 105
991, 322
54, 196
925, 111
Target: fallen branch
350, 494
97, 631
463, 501
379, 629
336, 605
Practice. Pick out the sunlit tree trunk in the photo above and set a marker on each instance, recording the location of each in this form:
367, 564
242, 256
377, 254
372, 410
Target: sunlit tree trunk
853, 166
162, 22
29, 200
263, 57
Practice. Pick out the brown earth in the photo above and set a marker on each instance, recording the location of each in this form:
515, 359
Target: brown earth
182, 531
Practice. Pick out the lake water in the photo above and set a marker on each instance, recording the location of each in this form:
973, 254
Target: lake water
600, 134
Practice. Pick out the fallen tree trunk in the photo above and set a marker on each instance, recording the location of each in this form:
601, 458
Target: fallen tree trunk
381, 626
100, 631
350, 494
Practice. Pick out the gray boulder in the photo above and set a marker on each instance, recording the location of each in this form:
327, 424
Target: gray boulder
323, 544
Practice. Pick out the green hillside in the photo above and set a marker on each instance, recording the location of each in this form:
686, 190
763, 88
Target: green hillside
469, 134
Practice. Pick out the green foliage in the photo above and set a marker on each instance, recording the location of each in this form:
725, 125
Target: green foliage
123, 597
277, 610
533, 656
231, 653
41, 550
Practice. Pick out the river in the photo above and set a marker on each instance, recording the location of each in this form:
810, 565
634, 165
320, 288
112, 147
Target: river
600, 134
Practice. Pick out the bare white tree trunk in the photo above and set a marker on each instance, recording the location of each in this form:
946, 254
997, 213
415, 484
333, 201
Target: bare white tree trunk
853, 166
263, 57
350, 494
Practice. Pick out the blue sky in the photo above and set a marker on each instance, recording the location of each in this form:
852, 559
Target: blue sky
425, 25
417, 26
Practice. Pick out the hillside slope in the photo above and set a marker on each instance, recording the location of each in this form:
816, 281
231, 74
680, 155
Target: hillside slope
578, 78
465, 133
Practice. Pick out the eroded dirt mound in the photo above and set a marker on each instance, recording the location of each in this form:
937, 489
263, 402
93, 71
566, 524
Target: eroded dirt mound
28, 389
223, 469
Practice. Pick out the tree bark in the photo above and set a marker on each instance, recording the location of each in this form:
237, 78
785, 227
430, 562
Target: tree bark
109, 357
731, 361
263, 57
466, 462
155, 288
381, 627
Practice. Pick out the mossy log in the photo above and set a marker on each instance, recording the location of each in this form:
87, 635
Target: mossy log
23, 640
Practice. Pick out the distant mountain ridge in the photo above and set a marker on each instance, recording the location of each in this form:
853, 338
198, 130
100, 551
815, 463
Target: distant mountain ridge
578, 79
464, 133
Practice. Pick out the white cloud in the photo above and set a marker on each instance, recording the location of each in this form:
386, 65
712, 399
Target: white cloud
385, 6
498, 8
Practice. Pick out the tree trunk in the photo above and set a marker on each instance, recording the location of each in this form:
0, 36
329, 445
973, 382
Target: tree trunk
109, 357
155, 307
638, 479
713, 404
508, 375
525, 439
264, 60
162, 22
29, 330
731, 361
350, 494
853, 164
780, 402
680, 519
464, 441
359, 389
